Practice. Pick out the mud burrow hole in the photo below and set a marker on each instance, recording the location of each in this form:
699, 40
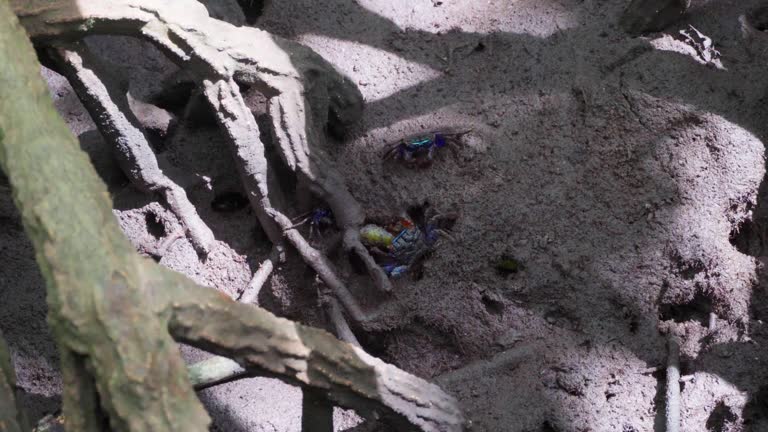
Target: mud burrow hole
758, 18
155, 225
747, 237
721, 419
252, 9
697, 309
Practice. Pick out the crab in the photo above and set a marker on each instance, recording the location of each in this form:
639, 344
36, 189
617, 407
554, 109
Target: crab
402, 244
319, 219
420, 150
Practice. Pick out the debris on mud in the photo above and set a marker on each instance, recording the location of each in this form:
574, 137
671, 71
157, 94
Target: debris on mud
401, 243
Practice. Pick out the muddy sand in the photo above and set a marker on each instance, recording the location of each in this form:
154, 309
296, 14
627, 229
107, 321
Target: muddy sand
625, 176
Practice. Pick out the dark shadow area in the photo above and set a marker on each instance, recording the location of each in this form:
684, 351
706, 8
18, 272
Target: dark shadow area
758, 18
39, 405
103, 160
155, 225
23, 314
721, 417
252, 9
228, 202
697, 309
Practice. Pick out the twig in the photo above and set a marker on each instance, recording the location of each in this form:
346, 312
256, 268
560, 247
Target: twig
342, 330
251, 293
673, 384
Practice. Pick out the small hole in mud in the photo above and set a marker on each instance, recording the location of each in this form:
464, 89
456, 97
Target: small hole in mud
157, 140
756, 410
418, 212
548, 427
175, 96
758, 18
746, 238
697, 309
492, 305
358, 266
154, 225
688, 268
720, 418
252, 9
634, 326
228, 202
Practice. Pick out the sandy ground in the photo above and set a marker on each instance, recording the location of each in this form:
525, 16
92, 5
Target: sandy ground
625, 174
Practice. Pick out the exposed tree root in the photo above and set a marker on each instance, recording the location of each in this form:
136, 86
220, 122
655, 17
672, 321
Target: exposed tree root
304, 356
107, 103
316, 412
113, 313
292, 128
240, 128
203, 374
302, 86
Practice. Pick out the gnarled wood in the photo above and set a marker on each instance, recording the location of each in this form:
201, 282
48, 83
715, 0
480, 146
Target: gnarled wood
305, 356
111, 310
303, 89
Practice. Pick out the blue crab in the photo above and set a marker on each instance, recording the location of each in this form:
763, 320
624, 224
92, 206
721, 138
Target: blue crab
318, 219
420, 149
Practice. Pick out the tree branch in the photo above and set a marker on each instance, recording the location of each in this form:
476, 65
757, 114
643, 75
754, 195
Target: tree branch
110, 310
97, 306
305, 356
